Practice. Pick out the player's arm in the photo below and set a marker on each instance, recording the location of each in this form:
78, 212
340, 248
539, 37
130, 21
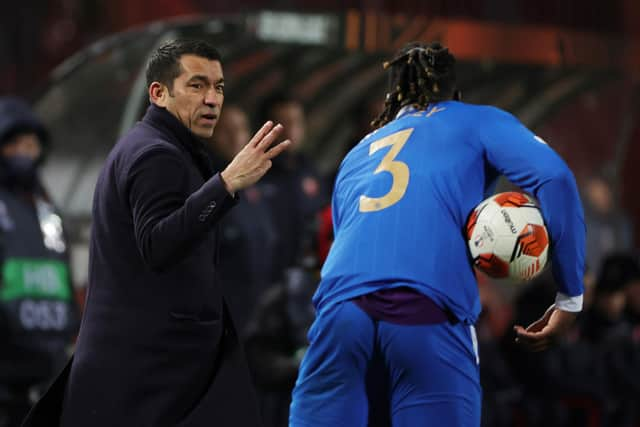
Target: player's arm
527, 161
168, 221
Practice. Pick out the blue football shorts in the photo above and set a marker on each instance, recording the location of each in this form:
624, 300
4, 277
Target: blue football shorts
431, 371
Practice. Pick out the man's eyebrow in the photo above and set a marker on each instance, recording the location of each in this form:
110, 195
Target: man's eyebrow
204, 79
200, 77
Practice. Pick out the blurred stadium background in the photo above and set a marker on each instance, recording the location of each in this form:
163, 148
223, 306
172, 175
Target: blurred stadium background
569, 70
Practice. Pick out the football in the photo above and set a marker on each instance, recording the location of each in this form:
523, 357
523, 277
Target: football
507, 237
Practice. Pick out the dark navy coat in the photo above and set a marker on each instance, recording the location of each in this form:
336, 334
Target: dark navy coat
156, 345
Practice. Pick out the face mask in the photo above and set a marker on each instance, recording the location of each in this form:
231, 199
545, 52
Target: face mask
20, 170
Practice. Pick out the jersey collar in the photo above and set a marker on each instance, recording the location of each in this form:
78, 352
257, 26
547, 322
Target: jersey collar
407, 109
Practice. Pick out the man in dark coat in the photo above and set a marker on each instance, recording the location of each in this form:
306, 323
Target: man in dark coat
157, 346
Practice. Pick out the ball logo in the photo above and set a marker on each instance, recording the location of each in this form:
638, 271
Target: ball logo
507, 219
488, 234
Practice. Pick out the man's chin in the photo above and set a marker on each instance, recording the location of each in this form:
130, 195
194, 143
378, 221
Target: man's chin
203, 131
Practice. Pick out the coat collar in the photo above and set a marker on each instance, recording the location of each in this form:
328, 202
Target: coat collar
177, 134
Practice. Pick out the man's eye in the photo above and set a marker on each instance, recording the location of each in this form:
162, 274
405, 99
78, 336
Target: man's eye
196, 85
220, 88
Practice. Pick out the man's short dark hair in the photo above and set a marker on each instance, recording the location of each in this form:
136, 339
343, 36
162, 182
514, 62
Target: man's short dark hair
164, 62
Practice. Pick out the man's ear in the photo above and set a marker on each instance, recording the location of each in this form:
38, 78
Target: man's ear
158, 94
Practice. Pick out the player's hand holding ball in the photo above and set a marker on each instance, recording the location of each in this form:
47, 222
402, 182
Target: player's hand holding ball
507, 238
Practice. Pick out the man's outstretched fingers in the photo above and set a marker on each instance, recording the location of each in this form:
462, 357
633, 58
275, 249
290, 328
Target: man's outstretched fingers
274, 151
266, 127
270, 137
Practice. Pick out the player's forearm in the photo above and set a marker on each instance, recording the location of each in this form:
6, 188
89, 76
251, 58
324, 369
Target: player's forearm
564, 218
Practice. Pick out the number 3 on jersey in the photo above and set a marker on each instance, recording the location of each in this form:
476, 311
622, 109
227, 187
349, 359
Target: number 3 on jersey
399, 172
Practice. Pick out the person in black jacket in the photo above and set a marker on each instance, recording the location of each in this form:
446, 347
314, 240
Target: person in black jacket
38, 316
157, 346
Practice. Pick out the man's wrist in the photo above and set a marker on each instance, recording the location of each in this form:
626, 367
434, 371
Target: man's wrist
568, 303
227, 187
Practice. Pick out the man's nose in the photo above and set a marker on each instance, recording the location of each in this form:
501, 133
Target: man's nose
212, 98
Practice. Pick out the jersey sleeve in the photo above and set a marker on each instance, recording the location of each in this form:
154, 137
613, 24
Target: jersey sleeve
527, 161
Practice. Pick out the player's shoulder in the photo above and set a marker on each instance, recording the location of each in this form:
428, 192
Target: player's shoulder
482, 111
486, 119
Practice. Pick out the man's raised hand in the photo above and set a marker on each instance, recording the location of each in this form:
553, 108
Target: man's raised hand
254, 160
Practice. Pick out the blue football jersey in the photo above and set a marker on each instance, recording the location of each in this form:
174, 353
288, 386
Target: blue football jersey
403, 194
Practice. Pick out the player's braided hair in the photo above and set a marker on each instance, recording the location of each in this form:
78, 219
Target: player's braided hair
420, 74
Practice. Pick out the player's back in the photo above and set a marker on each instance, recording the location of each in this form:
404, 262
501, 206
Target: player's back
401, 199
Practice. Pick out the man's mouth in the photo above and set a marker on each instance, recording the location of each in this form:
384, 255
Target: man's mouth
210, 117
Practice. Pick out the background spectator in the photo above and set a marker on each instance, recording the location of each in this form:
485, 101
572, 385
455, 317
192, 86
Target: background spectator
609, 228
38, 317
293, 189
247, 235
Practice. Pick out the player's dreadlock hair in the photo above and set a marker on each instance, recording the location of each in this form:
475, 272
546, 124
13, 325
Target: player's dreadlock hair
420, 74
